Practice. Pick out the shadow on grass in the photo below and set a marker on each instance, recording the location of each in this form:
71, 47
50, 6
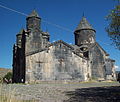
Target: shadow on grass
94, 94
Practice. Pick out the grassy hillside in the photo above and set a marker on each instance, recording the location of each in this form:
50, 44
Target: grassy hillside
4, 71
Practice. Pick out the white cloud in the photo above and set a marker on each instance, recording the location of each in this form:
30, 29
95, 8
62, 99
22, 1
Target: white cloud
116, 67
53, 40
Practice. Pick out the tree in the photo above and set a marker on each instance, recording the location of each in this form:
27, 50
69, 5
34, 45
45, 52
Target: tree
113, 29
8, 78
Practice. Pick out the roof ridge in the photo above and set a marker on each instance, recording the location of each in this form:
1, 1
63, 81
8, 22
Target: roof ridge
102, 49
62, 42
59, 41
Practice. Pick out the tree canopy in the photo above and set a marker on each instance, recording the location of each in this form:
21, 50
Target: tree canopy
113, 29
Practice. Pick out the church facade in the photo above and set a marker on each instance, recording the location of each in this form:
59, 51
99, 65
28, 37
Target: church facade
35, 58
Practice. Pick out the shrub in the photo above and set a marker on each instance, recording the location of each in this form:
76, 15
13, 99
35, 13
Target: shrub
8, 78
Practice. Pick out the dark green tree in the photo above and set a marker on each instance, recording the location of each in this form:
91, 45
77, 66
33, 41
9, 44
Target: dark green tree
113, 29
8, 78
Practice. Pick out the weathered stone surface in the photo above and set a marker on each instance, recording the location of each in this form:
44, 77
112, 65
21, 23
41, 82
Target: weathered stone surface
36, 59
57, 63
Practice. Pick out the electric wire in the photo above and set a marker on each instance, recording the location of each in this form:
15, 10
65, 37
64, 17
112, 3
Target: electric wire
56, 25
13, 10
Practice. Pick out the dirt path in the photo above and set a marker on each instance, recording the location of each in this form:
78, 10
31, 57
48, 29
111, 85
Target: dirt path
63, 92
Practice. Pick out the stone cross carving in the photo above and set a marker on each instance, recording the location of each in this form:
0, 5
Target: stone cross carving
39, 62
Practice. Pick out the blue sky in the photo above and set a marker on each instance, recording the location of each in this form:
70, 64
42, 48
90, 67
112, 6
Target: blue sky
66, 13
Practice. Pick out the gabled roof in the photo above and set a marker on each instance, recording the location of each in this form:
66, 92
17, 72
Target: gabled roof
52, 44
60, 41
33, 14
102, 49
84, 24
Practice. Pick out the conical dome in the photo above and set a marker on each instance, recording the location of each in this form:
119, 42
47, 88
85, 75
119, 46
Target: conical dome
34, 14
84, 24
84, 33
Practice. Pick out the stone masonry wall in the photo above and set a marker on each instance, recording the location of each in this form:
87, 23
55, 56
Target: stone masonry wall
56, 63
97, 60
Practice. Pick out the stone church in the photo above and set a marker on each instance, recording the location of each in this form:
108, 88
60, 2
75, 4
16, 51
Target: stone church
35, 58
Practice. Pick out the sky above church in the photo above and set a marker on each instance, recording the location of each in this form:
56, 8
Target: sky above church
59, 18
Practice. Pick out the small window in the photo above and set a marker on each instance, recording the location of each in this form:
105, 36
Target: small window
86, 54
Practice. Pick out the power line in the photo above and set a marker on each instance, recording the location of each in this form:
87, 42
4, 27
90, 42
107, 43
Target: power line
12, 10
56, 25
